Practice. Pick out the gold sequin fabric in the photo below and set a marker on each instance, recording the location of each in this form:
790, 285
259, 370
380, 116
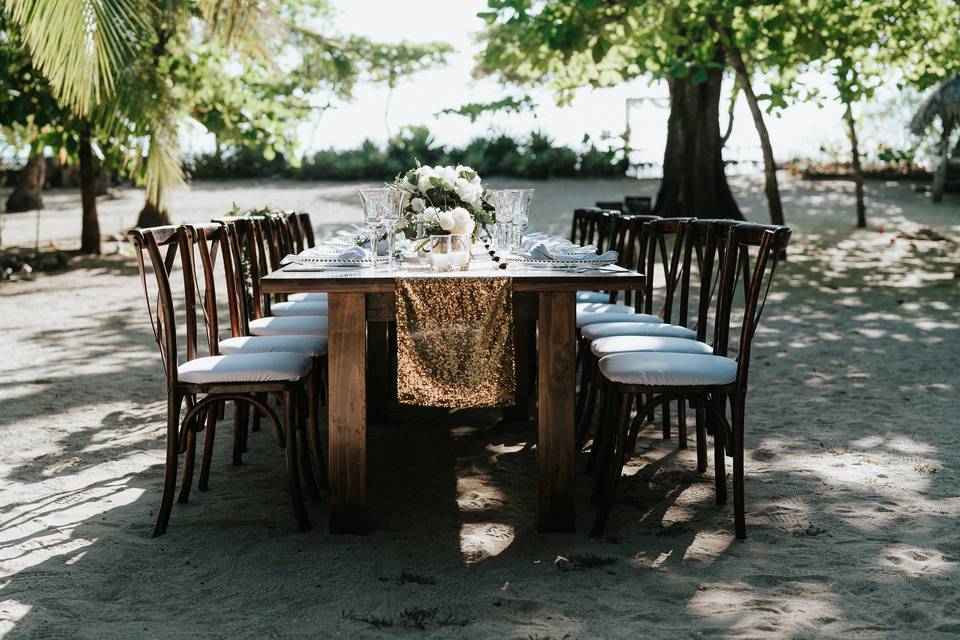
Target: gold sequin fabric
455, 342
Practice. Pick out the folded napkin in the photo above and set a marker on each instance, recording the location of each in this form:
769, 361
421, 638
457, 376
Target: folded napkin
542, 252
328, 253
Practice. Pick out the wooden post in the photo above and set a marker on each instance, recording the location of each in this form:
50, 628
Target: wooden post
523, 333
556, 392
378, 370
347, 410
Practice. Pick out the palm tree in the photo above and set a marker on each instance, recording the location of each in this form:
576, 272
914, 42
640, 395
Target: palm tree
105, 60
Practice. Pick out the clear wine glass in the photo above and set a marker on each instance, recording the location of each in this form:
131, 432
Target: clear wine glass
513, 213
376, 202
391, 219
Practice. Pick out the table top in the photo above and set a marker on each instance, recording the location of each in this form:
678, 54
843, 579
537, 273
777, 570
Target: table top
301, 278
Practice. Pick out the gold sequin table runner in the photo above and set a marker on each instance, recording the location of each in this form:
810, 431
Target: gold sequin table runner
455, 342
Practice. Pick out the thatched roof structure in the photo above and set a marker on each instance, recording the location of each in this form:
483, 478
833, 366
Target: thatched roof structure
944, 103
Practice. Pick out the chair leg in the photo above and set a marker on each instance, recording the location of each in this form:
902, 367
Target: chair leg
189, 463
208, 438
739, 509
701, 441
262, 397
616, 468
314, 388
303, 447
170, 469
601, 435
585, 379
240, 412
292, 460
665, 414
592, 371
603, 447
719, 466
681, 424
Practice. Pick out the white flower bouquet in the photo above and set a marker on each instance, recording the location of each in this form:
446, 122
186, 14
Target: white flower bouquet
443, 200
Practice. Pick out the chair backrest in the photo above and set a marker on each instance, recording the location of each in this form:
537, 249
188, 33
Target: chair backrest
211, 241
306, 230
611, 205
663, 247
765, 244
703, 248
254, 253
163, 245
590, 226
628, 237
637, 204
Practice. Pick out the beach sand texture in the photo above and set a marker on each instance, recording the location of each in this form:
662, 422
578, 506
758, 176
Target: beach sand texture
853, 451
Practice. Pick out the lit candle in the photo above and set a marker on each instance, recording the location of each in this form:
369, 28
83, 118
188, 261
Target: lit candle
459, 258
441, 261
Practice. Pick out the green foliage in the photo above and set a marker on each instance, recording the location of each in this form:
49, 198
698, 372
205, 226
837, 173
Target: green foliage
473, 110
248, 71
534, 157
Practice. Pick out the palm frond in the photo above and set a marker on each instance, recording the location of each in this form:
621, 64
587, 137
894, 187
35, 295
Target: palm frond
81, 45
943, 103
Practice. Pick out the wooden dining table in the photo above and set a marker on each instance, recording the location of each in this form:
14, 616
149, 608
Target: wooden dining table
361, 304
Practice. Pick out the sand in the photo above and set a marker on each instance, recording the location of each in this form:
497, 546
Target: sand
853, 490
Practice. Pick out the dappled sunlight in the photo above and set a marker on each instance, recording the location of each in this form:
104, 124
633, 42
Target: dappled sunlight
484, 540
784, 607
851, 484
11, 611
916, 562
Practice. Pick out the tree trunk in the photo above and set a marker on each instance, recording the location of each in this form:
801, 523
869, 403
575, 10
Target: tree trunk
694, 183
942, 169
857, 169
103, 181
769, 165
152, 216
90, 229
27, 194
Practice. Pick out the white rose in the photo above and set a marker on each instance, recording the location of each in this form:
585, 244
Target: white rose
449, 175
418, 204
462, 221
464, 189
423, 179
446, 220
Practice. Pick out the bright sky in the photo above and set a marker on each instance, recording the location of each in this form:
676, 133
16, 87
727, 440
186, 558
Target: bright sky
800, 130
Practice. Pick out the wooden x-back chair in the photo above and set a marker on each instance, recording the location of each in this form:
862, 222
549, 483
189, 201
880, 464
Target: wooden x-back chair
708, 382
204, 383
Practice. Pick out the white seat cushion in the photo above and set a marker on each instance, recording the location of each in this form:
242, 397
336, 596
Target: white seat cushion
623, 344
590, 317
661, 329
593, 296
309, 345
603, 307
303, 308
289, 326
248, 367
307, 297
668, 369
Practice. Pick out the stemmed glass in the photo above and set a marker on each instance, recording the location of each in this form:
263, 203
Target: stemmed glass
391, 219
512, 214
381, 208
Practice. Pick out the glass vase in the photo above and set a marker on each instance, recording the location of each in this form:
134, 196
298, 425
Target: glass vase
450, 252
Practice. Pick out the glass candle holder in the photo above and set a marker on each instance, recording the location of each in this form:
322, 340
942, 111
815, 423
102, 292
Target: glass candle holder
450, 252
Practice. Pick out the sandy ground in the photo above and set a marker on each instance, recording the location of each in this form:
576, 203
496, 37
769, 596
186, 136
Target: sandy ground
852, 468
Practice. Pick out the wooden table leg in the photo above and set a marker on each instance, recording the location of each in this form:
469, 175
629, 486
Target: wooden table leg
347, 467
523, 332
556, 392
378, 370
